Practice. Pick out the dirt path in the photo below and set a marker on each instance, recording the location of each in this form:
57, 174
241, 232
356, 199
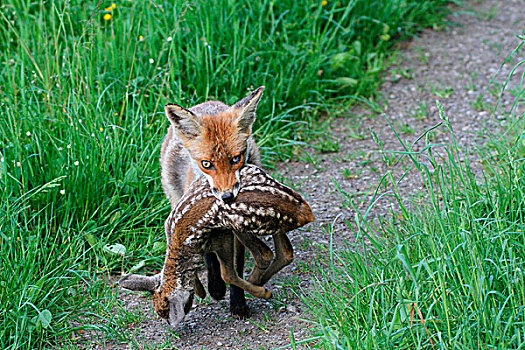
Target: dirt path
454, 66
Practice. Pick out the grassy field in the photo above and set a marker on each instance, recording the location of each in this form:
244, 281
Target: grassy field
445, 275
82, 90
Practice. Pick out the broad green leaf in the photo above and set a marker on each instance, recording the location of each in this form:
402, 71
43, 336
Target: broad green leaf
45, 317
159, 247
32, 324
138, 266
346, 81
92, 240
117, 249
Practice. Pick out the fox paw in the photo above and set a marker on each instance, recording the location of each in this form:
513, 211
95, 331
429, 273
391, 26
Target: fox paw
216, 288
242, 311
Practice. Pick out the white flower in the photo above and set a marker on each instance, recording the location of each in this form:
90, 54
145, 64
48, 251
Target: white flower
28, 133
80, 121
62, 192
76, 163
169, 38
87, 157
68, 146
151, 60
18, 164
92, 135
60, 148
2, 160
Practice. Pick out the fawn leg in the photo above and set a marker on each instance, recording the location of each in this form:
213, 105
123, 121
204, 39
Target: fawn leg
283, 257
262, 255
225, 253
238, 305
197, 286
216, 285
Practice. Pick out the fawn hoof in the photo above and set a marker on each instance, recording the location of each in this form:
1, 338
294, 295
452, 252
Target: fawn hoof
267, 294
242, 311
199, 288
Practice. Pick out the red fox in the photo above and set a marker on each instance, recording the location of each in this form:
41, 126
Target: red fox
213, 140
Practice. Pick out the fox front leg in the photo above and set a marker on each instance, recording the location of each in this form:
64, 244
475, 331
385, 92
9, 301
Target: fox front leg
238, 305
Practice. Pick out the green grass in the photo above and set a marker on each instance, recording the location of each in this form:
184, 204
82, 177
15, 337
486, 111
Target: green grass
82, 120
445, 270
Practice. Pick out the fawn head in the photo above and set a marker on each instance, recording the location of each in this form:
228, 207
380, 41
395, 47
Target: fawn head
172, 306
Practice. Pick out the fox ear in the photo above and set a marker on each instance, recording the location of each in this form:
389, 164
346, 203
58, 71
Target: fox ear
247, 107
184, 121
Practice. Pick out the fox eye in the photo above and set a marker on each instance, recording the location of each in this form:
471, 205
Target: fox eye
206, 164
236, 159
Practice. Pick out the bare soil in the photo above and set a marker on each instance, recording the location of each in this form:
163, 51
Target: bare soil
453, 65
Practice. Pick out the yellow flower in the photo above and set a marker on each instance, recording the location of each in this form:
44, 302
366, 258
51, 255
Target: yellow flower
108, 9
107, 16
385, 37
324, 3
114, 6
141, 38
101, 129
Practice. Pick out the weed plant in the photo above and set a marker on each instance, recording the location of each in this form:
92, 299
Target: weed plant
82, 89
445, 275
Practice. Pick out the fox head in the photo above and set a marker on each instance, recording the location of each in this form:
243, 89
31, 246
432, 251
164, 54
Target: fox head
217, 143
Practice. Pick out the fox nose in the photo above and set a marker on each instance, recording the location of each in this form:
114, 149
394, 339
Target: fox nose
227, 197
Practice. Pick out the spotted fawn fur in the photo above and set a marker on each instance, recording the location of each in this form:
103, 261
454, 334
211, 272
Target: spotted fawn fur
202, 223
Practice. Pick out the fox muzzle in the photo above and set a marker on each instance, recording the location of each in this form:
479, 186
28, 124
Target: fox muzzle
227, 196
